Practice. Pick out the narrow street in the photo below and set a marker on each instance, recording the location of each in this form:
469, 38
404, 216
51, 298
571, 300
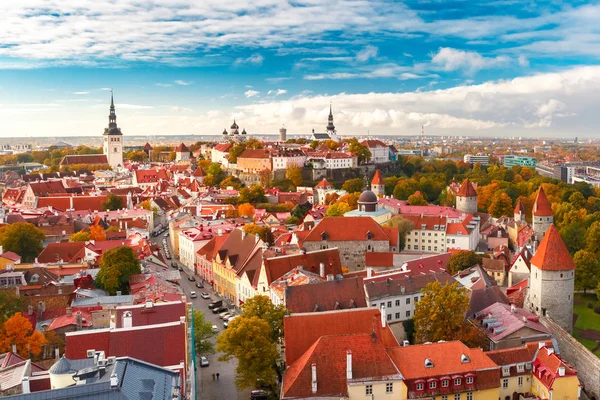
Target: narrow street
209, 389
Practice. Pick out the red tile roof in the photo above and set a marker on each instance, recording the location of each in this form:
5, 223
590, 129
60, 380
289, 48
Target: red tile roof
514, 355
369, 363
324, 184
377, 178
66, 320
546, 366
373, 143
47, 188
223, 147
147, 146
339, 294
552, 253
160, 344
9, 255
467, 189
84, 159
254, 153
70, 252
276, 267
301, 331
396, 284
542, 207
182, 148
198, 172
347, 229
159, 313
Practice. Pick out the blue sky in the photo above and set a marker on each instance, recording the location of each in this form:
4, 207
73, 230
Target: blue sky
495, 68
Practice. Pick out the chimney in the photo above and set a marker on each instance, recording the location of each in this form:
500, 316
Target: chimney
69, 312
14, 348
79, 320
30, 309
550, 350
513, 308
561, 371
369, 272
348, 364
314, 377
114, 381
25, 385
330, 277
57, 353
383, 317
322, 270
127, 319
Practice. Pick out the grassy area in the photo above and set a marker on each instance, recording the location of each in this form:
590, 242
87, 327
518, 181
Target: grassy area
586, 318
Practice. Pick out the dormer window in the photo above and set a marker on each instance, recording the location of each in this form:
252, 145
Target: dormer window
369, 236
520, 368
432, 385
505, 371
419, 386
428, 363
457, 381
324, 236
34, 278
469, 380
464, 358
445, 383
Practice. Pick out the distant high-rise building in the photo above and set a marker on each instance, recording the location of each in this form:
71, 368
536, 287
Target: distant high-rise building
113, 138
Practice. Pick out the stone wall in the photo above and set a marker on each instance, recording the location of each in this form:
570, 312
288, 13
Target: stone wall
576, 354
352, 253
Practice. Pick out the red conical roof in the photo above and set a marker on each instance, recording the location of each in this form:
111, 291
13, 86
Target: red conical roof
147, 146
552, 253
377, 179
198, 172
519, 207
467, 189
542, 207
182, 148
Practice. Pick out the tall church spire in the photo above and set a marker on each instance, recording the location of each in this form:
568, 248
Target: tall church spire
330, 126
112, 119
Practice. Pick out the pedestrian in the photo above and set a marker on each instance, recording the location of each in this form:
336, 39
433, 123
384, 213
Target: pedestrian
217, 376
213, 377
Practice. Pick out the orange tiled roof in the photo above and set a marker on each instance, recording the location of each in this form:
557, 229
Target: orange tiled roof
377, 178
182, 148
347, 229
324, 184
541, 207
466, 189
552, 253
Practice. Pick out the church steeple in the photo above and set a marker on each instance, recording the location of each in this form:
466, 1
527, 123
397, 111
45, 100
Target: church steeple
330, 126
112, 119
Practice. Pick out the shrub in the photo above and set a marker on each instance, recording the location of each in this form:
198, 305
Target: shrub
597, 309
590, 305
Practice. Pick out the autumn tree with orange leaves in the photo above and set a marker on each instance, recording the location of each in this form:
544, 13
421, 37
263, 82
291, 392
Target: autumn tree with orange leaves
246, 210
97, 233
18, 330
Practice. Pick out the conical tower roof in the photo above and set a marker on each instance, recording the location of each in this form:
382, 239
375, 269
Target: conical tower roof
519, 207
467, 189
542, 207
377, 178
552, 253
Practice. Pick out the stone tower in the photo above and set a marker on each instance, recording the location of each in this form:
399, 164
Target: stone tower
282, 134
519, 216
542, 214
113, 138
466, 198
377, 185
551, 280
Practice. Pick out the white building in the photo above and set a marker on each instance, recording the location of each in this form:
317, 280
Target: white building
332, 160
113, 139
483, 159
220, 154
285, 159
182, 153
380, 152
190, 241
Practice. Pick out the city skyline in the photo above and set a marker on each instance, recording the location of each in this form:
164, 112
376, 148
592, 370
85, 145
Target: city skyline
503, 69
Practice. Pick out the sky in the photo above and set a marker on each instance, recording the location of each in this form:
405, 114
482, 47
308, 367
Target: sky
499, 68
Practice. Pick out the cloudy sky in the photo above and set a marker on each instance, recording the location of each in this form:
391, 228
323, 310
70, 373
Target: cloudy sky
494, 68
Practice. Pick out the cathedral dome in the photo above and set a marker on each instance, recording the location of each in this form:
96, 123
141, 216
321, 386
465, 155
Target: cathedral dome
367, 197
225, 132
234, 125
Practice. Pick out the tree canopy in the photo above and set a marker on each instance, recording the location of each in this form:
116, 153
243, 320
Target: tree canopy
263, 232
10, 303
463, 260
404, 227
294, 174
202, 334
81, 236
18, 330
116, 268
113, 202
246, 210
354, 185
587, 270
22, 238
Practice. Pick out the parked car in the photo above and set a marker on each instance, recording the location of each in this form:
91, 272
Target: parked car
204, 362
219, 310
228, 321
215, 329
215, 304
180, 268
193, 294
191, 278
199, 285
232, 318
225, 314
205, 295
173, 264
259, 395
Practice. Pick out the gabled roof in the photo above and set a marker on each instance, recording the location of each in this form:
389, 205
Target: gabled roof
519, 207
372, 143
466, 189
370, 362
301, 331
377, 178
324, 184
47, 188
198, 172
552, 253
514, 355
508, 321
542, 207
254, 153
347, 229
402, 283
9, 255
67, 251
84, 159
182, 148
159, 313
547, 364
147, 146
338, 294
223, 147
276, 267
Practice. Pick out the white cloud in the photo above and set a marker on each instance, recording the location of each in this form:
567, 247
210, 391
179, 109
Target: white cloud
367, 53
182, 83
450, 59
278, 79
254, 59
523, 61
81, 93
251, 93
277, 92
164, 84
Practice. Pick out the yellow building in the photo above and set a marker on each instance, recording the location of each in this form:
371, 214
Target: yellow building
9, 259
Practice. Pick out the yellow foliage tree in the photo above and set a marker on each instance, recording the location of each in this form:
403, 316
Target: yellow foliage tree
97, 233
246, 210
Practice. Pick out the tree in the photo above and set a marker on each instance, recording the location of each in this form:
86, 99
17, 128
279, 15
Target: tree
10, 303
592, 238
202, 334
246, 210
215, 169
97, 233
263, 232
337, 210
113, 228
138, 156
354, 185
294, 174
361, 152
389, 184
113, 202
404, 227
404, 189
587, 270
447, 198
501, 205
17, 330
254, 194
231, 181
22, 238
262, 307
116, 268
351, 199
572, 235
417, 199
81, 236
463, 260
250, 341
440, 315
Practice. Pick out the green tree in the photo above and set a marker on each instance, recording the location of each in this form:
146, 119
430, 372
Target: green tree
113, 202
116, 267
404, 227
463, 260
232, 181
254, 194
263, 232
10, 303
417, 199
250, 341
572, 235
337, 210
215, 169
294, 174
81, 236
138, 156
404, 189
262, 307
235, 151
202, 334
389, 184
22, 238
592, 238
501, 205
360, 151
354, 185
440, 315
587, 270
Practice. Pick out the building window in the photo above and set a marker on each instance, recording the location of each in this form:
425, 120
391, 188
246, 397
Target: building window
397, 315
457, 382
445, 383
469, 380
408, 314
408, 300
432, 385
389, 317
520, 381
397, 303
456, 396
505, 371
469, 395
389, 304
389, 387
419, 386
416, 299
368, 390
520, 367
445, 397
504, 383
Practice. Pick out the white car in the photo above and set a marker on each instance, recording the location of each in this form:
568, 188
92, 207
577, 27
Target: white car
225, 315
215, 329
204, 362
